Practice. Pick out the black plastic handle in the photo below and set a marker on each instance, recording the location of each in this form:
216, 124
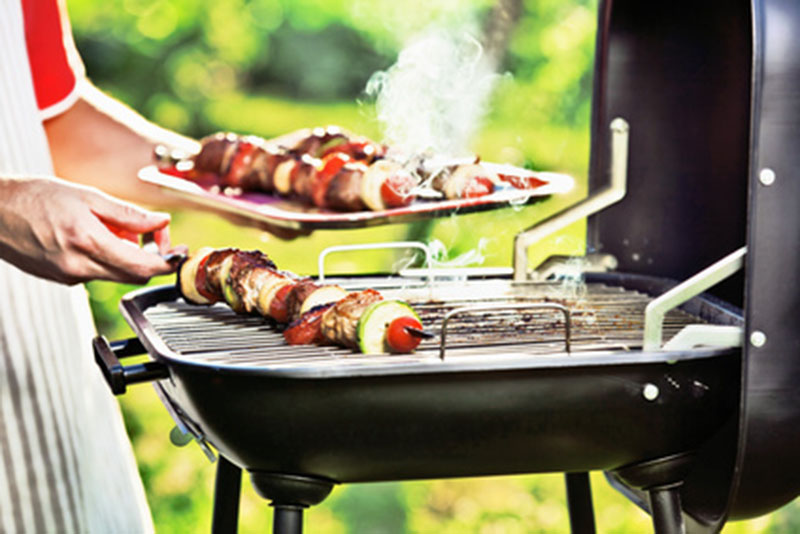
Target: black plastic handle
107, 356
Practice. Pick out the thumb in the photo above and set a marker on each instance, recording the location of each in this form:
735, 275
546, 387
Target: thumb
124, 215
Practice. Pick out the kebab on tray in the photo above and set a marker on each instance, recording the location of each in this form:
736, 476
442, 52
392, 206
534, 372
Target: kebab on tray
333, 169
249, 282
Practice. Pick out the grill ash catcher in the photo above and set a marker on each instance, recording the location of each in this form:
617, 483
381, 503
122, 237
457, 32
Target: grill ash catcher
683, 393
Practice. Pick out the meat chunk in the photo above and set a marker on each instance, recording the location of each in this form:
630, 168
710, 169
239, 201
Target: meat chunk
344, 190
340, 323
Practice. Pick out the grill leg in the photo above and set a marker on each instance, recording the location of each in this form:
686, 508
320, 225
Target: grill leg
665, 505
227, 488
287, 519
579, 503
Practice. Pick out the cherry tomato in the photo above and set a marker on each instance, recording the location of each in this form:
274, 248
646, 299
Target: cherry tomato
200, 281
277, 308
478, 187
398, 339
396, 190
239, 164
522, 182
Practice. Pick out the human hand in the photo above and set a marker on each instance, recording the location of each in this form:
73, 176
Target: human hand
73, 234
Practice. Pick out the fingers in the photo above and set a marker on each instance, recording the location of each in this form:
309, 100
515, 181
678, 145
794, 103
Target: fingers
124, 216
120, 260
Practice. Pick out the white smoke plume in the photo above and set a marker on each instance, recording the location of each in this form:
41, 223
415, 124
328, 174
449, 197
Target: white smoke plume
433, 99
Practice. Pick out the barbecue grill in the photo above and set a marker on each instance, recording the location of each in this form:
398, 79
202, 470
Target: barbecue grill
671, 368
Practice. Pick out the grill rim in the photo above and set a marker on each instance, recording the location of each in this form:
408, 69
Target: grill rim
134, 304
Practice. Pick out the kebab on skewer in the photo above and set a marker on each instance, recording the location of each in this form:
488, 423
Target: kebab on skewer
332, 169
326, 168
249, 282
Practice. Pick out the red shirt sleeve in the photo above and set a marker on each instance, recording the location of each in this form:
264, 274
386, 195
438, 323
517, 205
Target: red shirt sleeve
54, 61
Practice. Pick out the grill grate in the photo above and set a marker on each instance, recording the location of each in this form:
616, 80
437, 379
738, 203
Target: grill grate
603, 318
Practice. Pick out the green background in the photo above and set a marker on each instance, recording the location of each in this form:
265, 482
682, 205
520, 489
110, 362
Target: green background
268, 67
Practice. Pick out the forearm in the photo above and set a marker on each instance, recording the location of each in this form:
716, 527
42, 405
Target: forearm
100, 142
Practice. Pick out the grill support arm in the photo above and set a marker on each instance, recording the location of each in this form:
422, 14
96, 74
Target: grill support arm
611, 194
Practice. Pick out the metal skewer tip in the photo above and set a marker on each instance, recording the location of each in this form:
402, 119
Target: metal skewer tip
416, 332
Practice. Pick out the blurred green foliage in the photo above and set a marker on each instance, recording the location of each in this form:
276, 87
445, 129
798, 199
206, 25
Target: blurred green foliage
271, 66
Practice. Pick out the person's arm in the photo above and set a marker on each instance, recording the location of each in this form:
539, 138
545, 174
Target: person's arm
102, 143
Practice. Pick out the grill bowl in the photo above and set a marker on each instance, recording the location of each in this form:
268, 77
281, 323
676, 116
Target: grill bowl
484, 410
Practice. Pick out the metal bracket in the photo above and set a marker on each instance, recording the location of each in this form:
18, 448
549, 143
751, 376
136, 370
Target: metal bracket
607, 196
706, 335
708, 277
183, 424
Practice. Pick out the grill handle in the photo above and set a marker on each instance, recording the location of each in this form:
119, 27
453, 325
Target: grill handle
118, 377
495, 307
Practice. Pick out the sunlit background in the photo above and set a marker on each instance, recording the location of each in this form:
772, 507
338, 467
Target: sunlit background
268, 67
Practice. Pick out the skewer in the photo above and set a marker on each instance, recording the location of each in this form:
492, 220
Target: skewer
416, 332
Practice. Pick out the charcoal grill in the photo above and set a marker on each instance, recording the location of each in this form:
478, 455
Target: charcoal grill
698, 430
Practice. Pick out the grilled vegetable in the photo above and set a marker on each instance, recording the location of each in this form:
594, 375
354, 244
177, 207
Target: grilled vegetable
398, 336
188, 274
322, 295
277, 308
267, 292
375, 322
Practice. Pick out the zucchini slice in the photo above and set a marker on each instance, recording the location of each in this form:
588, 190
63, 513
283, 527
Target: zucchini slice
376, 319
231, 297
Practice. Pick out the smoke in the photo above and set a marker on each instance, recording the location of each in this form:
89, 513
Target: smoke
440, 257
433, 99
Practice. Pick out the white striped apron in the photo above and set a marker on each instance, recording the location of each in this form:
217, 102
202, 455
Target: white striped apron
66, 463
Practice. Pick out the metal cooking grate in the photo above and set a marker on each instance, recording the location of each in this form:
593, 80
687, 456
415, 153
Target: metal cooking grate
603, 318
